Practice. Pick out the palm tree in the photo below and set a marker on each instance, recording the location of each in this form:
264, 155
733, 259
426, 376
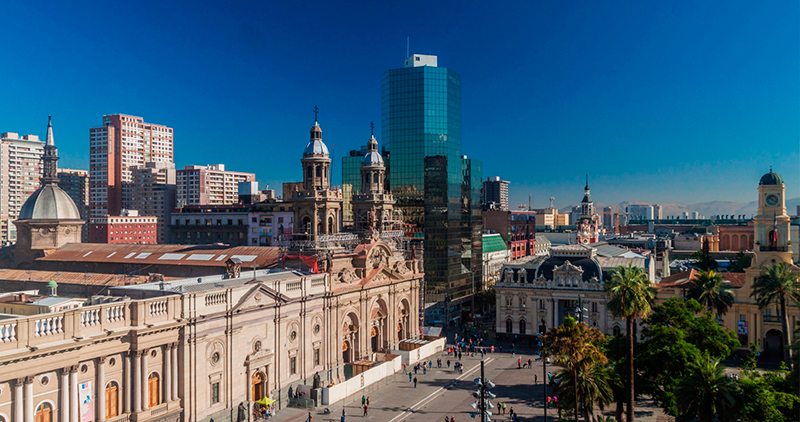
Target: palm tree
629, 297
712, 291
706, 392
594, 387
574, 347
776, 285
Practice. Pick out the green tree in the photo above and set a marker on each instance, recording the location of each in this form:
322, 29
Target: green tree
712, 291
706, 392
703, 257
677, 334
777, 285
739, 263
763, 398
594, 387
574, 347
629, 297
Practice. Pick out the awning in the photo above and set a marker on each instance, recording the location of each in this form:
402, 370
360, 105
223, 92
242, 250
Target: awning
266, 401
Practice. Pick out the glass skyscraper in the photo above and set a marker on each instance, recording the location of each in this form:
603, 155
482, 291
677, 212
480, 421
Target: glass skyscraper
431, 182
351, 184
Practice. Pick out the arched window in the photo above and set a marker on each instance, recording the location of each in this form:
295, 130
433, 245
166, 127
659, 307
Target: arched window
319, 171
44, 413
509, 326
330, 225
375, 178
522, 326
112, 399
617, 331
153, 388
310, 172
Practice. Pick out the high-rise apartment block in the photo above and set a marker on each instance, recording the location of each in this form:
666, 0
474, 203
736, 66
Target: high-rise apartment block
115, 149
154, 194
495, 193
421, 128
209, 185
20, 170
658, 212
640, 212
76, 184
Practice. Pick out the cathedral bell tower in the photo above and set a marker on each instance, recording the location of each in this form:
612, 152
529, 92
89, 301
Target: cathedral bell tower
373, 207
317, 206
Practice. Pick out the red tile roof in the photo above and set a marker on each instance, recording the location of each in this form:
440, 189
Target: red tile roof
66, 277
684, 279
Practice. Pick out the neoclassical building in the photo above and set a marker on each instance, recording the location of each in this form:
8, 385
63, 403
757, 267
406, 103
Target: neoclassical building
193, 349
536, 294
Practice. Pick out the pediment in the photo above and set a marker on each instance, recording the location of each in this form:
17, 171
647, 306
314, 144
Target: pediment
258, 297
383, 275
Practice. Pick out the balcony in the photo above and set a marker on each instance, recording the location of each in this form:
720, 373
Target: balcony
772, 318
766, 248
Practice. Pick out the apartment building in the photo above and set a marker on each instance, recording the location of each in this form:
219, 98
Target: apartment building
76, 184
122, 143
209, 185
154, 194
20, 170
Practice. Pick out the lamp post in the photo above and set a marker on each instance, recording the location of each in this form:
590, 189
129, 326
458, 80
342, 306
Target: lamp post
543, 354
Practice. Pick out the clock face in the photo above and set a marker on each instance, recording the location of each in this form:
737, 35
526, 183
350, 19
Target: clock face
772, 200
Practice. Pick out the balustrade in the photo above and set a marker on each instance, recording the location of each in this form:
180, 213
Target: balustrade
158, 308
48, 326
8, 332
115, 313
90, 317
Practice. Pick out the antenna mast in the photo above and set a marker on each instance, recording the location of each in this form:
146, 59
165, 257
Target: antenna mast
408, 47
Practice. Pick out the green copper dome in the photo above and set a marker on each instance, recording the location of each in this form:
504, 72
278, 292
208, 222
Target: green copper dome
771, 179
52, 283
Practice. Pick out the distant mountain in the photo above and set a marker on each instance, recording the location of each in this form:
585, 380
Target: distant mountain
706, 209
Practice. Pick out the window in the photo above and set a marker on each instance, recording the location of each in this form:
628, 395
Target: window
293, 365
215, 393
112, 399
509, 326
152, 390
522, 303
522, 326
316, 357
509, 300
44, 413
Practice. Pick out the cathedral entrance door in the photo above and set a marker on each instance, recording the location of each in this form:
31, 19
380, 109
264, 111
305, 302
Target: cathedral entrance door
374, 339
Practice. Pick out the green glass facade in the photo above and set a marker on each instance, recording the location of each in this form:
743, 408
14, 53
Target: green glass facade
432, 184
351, 184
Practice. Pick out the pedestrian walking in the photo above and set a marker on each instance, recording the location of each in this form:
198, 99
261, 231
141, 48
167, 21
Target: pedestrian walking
366, 410
535, 379
448, 363
519, 363
367, 401
504, 408
409, 377
529, 363
415, 382
363, 400
424, 370
309, 416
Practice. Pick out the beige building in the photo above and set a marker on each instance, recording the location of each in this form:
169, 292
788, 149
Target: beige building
772, 245
536, 294
154, 194
209, 185
20, 170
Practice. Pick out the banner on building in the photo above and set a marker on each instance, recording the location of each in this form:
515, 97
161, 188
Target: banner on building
743, 327
86, 404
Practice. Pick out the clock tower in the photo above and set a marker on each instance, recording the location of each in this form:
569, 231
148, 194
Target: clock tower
772, 222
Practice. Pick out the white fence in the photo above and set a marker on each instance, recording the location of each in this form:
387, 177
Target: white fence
357, 383
426, 350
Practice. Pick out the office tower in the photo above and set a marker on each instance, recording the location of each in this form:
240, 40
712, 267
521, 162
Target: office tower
76, 184
421, 128
209, 185
495, 193
351, 184
154, 195
640, 212
609, 219
122, 143
658, 212
20, 170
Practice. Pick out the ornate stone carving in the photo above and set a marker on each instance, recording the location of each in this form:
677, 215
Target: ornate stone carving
346, 275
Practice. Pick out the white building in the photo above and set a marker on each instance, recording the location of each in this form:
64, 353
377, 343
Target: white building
538, 293
209, 185
640, 212
495, 254
20, 170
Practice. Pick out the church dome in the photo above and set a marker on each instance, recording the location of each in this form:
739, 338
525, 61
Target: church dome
589, 266
373, 158
49, 202
771, 179
316, 147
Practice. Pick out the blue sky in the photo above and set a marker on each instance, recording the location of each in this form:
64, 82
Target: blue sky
658, 101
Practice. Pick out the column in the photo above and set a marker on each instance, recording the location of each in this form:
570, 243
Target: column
137, 382
167, 373
29, 399
174, 351
145, 395
101, 390
74, 405
127, 388
19, 402
64, 390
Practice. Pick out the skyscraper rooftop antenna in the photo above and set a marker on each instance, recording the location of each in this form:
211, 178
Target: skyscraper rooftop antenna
316, 111
372, 128
408, 47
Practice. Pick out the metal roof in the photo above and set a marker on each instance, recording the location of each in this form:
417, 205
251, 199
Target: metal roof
194, 255
493, 243
72, 277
